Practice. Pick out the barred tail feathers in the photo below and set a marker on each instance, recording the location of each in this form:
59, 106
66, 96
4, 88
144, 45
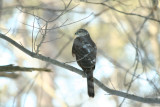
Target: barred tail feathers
90, 84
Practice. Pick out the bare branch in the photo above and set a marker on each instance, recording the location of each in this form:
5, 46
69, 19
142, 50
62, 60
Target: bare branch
11, 68
9, 75
43, 38
73, 69
126, 13
38, 8
126, 95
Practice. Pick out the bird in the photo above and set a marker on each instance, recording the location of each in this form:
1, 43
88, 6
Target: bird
85, 51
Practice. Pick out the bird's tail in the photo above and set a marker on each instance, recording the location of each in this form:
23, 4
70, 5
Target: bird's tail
90, 84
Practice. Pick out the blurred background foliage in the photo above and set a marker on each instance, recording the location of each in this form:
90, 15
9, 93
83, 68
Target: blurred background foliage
128, 51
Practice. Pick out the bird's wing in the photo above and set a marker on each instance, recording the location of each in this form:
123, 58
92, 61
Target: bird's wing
85, 53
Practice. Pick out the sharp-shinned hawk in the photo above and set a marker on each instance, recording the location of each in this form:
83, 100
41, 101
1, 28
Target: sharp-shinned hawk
85, 51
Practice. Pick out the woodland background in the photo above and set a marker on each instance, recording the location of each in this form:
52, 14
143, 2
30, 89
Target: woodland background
127, 35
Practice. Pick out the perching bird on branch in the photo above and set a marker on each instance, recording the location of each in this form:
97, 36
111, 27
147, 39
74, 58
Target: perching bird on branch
85, 51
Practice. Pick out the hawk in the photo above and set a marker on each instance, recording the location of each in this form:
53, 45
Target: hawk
85, 51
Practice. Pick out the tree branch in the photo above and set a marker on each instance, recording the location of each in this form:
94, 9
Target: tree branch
73, 69
11, 68
9, 75
125, 13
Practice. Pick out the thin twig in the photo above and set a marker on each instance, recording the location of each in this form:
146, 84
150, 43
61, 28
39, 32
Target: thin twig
126, 13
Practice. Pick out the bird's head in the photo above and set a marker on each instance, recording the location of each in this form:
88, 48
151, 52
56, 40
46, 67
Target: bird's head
81, 32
